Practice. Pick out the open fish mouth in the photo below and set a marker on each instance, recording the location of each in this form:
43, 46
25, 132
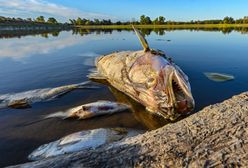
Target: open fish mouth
179, 98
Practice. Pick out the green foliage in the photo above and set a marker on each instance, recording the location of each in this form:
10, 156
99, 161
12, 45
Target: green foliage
40, 19
228, 20
245, 19
52, 20
145, 20
72, 21
159, 20
29, 19
79, 21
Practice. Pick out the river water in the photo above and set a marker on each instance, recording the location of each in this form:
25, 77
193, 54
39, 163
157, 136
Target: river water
31, 61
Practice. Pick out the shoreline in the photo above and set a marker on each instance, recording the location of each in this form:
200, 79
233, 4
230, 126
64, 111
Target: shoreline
163, 26
166, 26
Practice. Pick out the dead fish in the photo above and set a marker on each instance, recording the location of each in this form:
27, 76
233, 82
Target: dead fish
149, 77
82, 140
218, 77
25, 99
91, 110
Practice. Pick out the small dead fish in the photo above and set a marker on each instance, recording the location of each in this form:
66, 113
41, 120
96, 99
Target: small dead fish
91, 110
26, 98
82, 140
218, 77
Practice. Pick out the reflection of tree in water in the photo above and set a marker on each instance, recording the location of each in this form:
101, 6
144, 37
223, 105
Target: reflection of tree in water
45, 35
55, 33
242, 30
23, 33
227, 30
159, 32
82, 32
146, 32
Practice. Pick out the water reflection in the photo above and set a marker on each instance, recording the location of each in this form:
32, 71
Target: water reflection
149, 120
5, 34
146, 118
145, 31
162, 31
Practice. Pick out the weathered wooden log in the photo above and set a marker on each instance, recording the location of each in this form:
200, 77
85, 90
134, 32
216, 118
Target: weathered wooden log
216, 136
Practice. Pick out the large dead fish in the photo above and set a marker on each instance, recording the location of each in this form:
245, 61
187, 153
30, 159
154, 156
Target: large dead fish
149, 77
91, 110
25, 99
82, 140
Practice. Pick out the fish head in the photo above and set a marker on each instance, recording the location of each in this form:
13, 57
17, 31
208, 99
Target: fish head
161, 85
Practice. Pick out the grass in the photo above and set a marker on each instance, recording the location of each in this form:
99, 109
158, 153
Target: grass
164, 26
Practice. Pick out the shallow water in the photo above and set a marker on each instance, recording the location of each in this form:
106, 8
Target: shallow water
29, 62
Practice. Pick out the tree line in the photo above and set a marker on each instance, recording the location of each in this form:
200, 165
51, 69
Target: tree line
39, 19
146, 20
143, 20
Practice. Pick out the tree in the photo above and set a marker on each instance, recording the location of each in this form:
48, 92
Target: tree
79, 21
29, 19
96, 21
145, 19
52, 20
88, 22
228, 20
245, 19
161, 20
72, 21
40, 19
155, 21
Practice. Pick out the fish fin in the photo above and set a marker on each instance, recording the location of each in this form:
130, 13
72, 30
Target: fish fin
86, 85
96, 75
62, 115
142, 39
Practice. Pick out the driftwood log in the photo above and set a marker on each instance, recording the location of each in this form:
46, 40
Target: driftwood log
216, 136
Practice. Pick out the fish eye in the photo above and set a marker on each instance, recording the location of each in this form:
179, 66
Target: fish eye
150, 82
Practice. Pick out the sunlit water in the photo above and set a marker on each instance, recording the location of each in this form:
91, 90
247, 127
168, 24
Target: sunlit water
41, 61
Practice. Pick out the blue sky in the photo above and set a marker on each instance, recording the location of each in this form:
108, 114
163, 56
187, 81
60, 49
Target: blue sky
183, 10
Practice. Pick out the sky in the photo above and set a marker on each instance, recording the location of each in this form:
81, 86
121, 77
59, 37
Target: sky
124, 10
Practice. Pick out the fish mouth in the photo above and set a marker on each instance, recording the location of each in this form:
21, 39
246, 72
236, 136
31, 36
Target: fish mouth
179, 94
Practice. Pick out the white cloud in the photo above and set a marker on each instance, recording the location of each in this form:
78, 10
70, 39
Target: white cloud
37, 7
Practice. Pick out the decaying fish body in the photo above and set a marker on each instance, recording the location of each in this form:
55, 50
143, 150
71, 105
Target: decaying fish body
91, 110
149, 77
25, 99
82, 140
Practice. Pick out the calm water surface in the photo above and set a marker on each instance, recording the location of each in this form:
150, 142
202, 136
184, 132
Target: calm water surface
41, 61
